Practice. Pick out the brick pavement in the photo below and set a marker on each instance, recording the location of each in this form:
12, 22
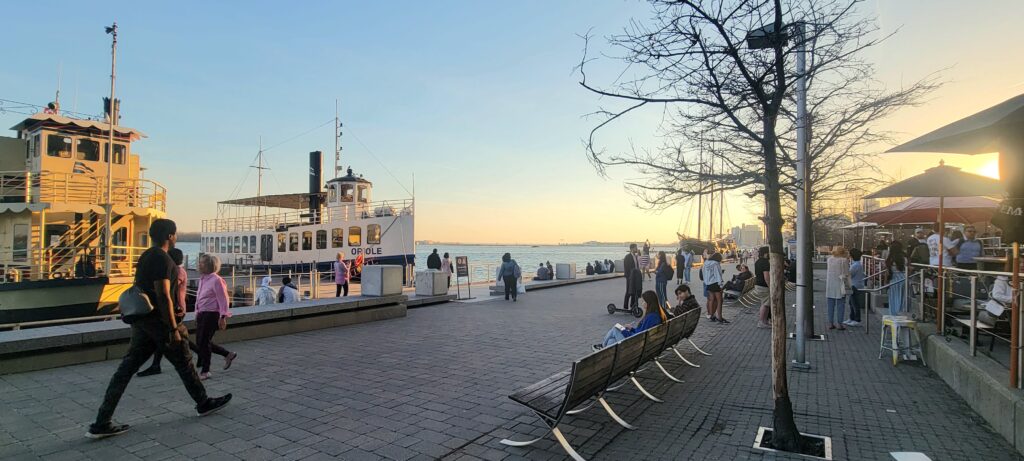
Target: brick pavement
434, 385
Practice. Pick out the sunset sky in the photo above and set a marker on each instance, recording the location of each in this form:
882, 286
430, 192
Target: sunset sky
478, 100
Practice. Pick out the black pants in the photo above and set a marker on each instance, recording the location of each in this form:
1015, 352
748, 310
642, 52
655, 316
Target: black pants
158, 356
341, 287
632, 298
856, 304
510, 286
207, 324
148, 336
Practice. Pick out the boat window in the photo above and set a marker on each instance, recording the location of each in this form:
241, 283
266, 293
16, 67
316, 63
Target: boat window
347, 193
238, 244
282, 246
355, 236
252, 244
293, 241
373, 234
216, 245
321, 239
245, 244
58, 146
36, 145
307, 240
20, 242
364, 194
119, 150
337, 238
332, 193
88, 150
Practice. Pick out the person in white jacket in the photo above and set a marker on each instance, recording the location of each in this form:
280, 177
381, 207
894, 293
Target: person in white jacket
837, 286
265, 294
999, 300
288, 293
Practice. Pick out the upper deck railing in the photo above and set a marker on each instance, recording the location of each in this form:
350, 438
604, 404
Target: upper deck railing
331, 214
52, 187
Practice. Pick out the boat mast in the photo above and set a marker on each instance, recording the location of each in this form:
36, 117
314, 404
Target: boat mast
259, 179
721, 207
700, 185
107, 237
711, 200
337, 140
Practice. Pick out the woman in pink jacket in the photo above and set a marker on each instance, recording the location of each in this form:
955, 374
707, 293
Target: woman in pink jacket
211, 313
341, 275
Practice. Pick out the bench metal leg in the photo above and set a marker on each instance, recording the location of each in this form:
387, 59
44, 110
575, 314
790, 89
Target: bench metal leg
684, 358
565, 445
617, 387
581, 409
644, 391
615, 416
698, 349
663, 370
513, 443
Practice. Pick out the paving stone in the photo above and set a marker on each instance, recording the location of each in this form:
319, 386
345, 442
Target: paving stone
434, 385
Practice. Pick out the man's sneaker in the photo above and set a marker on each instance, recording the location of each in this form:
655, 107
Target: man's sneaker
212, 404
853, 323
709, 317
597, 347
723, 321
107, 430
148, 372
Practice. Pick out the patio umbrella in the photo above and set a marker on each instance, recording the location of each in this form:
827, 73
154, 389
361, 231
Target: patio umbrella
941, 181
862, 225
999, 128
917, 210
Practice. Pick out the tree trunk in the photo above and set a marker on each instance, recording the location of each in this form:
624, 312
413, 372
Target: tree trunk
785, 435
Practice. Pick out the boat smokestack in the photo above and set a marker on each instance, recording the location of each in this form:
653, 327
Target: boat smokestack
316, 159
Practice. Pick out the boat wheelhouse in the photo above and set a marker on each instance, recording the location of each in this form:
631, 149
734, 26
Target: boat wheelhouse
300, 231
53, 191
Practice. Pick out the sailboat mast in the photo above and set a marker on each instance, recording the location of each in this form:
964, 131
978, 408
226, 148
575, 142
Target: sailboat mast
700, 186
711, 201
337, 139
721, 207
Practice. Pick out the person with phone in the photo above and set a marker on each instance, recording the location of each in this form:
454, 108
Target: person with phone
654, 315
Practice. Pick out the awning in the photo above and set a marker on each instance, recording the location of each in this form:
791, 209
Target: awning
36, 119
297, 201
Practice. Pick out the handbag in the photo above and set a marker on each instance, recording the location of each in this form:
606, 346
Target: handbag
133, 303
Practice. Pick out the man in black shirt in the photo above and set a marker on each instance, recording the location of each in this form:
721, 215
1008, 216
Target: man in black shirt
434, 260
634, 278
156, 331
762, 274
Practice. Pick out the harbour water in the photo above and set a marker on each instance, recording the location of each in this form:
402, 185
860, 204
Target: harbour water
481, 257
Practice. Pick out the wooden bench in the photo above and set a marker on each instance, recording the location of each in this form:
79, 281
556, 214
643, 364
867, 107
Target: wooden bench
591, 377
748, 286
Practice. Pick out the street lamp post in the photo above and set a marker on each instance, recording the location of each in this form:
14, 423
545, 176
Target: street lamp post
108, 237
768, 37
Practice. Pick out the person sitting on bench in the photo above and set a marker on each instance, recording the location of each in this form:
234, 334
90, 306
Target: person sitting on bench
685, 301
654, 315
590, 269
999, 299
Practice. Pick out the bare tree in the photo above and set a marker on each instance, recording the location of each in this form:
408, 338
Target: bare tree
728, 109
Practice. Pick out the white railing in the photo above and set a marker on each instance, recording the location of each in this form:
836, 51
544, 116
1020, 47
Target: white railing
64, 262
52, 187
333, 214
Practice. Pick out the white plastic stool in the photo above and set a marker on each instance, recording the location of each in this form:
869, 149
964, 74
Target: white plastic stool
892, 324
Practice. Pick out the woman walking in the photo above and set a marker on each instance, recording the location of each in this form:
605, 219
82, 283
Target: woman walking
837, 278
662, 274
712, 272
211, 314
341, 275
645, 259
509, 273
896, 265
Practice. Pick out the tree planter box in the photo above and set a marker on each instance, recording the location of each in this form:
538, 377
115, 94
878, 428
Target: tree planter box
821, 445
431, 283
565, 271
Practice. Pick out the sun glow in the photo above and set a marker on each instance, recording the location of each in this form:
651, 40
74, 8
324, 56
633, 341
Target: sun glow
990, 169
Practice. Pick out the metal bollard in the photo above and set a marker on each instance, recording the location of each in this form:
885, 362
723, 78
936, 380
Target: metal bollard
974, 317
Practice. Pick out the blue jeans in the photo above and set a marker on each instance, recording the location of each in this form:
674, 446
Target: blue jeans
686, 275
897, 292
660, 289
836, 306
613, 336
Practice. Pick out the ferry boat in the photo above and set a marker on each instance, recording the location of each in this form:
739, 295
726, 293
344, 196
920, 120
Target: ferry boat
301, 231
53, 186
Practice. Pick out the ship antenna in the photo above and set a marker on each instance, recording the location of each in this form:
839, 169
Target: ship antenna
337, 139
259, 178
